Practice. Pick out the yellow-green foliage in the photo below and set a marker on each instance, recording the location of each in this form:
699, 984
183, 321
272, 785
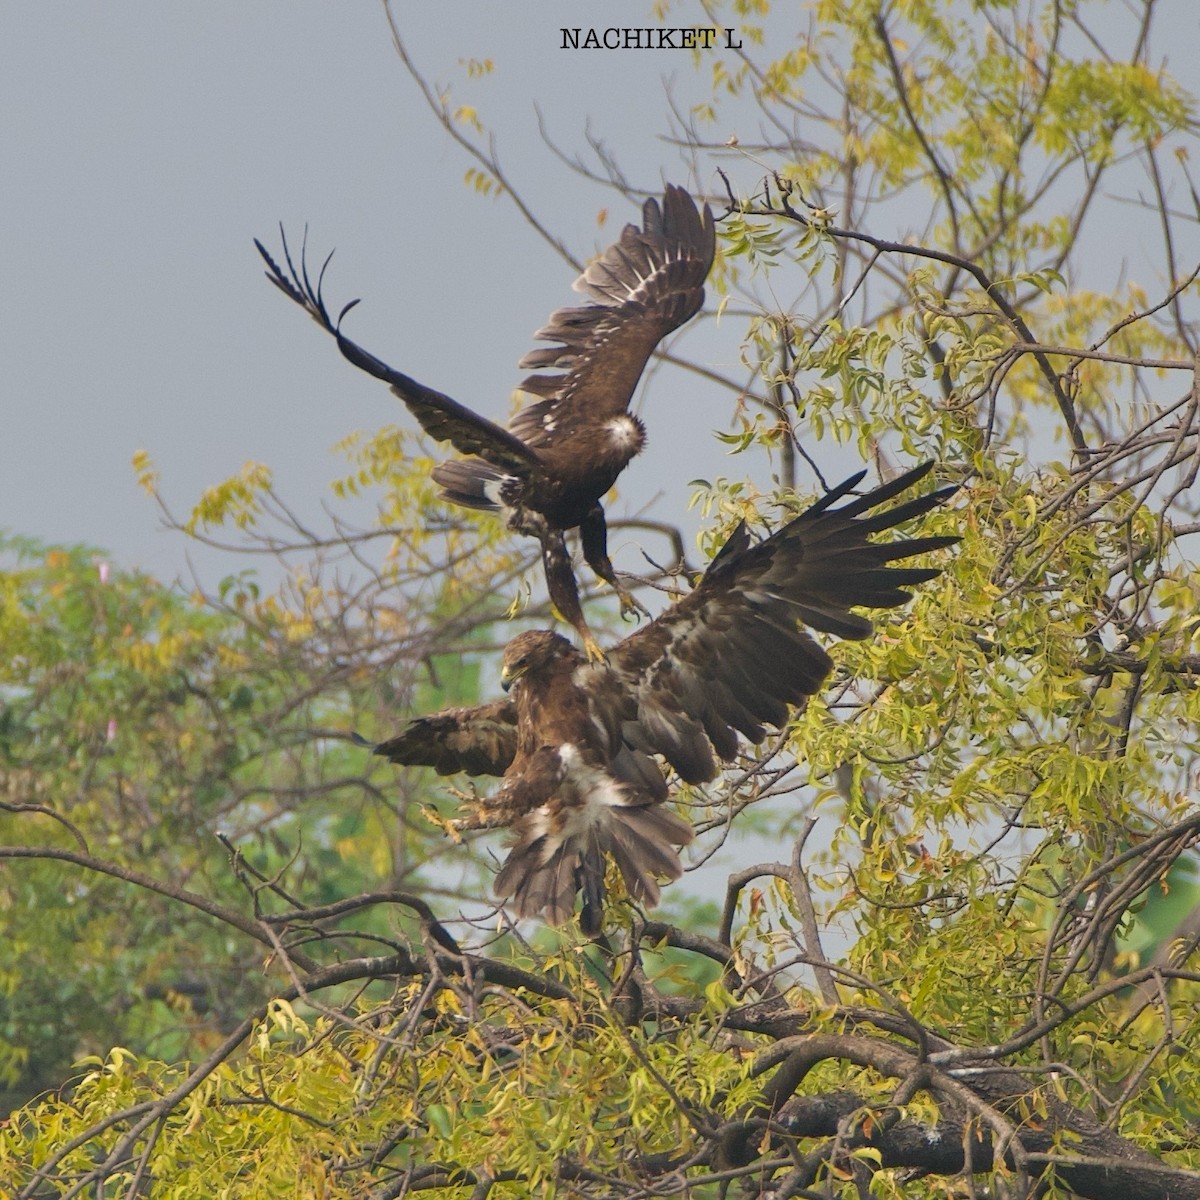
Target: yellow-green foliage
518, 1084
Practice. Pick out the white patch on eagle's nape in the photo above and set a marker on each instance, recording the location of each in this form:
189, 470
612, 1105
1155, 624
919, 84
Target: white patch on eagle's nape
624, 431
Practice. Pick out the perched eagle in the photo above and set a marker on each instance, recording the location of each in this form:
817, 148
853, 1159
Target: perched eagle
575, 743
548, 471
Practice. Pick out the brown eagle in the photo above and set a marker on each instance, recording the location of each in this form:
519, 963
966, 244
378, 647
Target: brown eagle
575, 743
548, 471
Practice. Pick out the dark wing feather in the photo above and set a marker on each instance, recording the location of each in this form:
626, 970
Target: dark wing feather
734, 655
647, 283
472, 483
440, 416
477, 741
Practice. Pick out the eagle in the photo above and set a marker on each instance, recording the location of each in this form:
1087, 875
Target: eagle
578, 744
549, 469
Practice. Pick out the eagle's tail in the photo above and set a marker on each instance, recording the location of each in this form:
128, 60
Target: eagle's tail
543, 873
472, 483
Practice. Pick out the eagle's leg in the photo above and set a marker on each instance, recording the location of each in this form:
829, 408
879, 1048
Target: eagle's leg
532, 787
564, 591
593, 533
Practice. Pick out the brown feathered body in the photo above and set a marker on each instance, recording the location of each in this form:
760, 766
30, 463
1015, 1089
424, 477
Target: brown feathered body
576, 795
732, 658
560, 455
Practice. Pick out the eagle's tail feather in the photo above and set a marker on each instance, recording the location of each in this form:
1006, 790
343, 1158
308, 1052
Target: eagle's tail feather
471, 483
544, 878
589, 879
642, 843
540, 884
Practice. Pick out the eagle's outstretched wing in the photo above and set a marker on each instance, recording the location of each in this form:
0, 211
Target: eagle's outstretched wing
482, 740
439, 415
549, 470
477, 741
734, 654
646, 284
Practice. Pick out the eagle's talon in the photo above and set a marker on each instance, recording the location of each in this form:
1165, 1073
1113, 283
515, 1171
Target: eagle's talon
592, 649
631, 606
447, 825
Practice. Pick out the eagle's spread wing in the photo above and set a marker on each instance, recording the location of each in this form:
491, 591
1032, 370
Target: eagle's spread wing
477, 741
440, 416
732, 656
647, 283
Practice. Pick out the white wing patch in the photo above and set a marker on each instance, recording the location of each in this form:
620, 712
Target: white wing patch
493, 489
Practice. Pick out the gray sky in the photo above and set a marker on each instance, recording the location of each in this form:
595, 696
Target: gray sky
145, 145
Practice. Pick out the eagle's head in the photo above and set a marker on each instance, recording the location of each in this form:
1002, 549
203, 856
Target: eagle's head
531, 653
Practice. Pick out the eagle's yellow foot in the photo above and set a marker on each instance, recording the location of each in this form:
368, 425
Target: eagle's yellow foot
631, 606
591, 648
445, 824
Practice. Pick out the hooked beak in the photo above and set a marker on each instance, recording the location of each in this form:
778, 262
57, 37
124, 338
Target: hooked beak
506, 679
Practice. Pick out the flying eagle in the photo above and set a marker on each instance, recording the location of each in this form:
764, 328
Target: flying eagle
548, 471
576, 740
